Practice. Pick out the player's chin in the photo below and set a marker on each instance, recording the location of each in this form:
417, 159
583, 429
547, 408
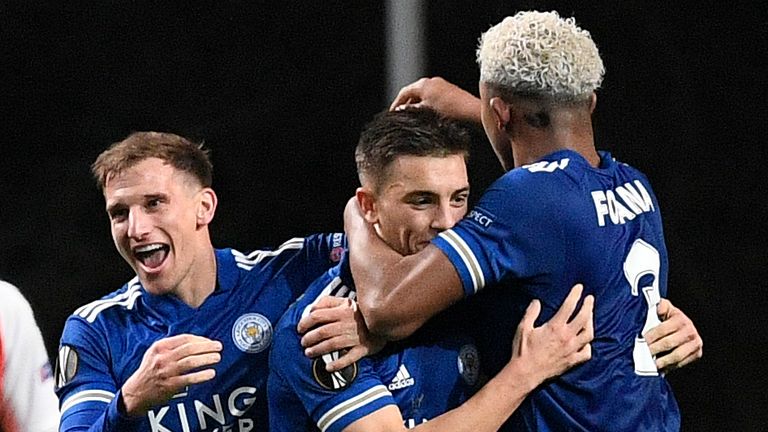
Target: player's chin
154, 285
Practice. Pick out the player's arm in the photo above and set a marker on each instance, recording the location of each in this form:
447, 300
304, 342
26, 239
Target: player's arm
441, 96
397, 294
85, 388
538, 353
90, 400
675, 342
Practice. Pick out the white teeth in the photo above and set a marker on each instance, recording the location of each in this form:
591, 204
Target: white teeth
149, 248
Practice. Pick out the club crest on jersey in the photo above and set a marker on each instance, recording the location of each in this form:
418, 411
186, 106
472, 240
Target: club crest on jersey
333, 380
469, 364
252, 333
66, 365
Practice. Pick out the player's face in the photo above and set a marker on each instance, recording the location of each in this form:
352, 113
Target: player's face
421, 197
154, 213
497, 137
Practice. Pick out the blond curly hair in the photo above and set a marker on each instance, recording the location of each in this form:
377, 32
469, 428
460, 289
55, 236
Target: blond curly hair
540, 54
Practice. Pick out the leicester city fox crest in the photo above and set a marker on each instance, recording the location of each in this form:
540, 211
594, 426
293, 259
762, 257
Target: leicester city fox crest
252, 333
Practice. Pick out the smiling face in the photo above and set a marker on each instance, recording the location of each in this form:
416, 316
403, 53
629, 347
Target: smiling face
420, 196
159, 217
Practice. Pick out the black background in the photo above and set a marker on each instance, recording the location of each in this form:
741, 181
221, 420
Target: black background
279, 92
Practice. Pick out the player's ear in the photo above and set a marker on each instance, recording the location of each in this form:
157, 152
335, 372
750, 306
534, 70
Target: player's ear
206, 206
592, 102
367, 202
501, 112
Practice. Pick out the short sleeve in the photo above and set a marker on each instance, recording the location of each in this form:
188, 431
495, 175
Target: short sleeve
331, 401
511, 233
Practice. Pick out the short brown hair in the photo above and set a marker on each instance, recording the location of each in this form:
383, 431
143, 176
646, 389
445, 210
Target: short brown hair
179, 152
410, 132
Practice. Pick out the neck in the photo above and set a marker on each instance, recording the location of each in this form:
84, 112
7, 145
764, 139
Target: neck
568, 130
201, 281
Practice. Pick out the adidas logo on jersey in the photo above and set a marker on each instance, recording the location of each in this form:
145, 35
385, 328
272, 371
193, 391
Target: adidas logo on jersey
403, 379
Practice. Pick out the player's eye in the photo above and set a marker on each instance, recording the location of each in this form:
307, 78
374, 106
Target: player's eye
460, 199
421, 201
118, 214
153, 203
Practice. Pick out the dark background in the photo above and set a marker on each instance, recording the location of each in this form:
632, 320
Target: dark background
280, 90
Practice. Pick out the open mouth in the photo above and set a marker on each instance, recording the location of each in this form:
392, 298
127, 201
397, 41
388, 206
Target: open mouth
153, 255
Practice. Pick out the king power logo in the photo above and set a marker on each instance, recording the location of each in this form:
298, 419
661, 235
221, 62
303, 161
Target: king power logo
222, 415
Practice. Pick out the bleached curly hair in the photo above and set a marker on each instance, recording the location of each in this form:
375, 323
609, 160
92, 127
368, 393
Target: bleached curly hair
540, 54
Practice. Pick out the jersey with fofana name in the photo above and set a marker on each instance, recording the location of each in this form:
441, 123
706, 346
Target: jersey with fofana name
104, 341
537, 231
432, 372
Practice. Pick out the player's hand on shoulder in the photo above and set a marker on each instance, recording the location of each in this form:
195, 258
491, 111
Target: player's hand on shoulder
168, 366
559, 344
675, 342
336, 324
441, 96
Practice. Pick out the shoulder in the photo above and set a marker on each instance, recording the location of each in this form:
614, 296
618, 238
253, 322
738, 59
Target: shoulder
13, 300
117, 302
316, 247
16, 316
554, 173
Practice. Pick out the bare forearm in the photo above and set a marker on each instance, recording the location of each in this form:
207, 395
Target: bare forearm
491, 406
397, 294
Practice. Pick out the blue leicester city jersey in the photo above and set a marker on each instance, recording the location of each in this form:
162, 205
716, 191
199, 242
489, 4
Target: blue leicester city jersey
103, 342
536, 232
424, 376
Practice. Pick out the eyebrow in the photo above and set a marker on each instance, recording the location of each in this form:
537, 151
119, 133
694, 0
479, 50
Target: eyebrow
147, 197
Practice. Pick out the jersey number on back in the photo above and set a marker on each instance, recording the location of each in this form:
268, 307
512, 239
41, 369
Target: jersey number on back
643, 260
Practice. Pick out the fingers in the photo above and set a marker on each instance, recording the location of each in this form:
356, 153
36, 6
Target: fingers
680, 356
173, 342
346, 359
666, 363
583, 354
569, 305
335, 343
327, 332
584, 322
408, 94
663, 309
531, 313
197, 377
675, 341
676, 323
681, 340
197, 346
327, 310
197, 361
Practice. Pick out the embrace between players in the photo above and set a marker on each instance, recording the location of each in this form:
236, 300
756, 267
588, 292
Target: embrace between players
562, 263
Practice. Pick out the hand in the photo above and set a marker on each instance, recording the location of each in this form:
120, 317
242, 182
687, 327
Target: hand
165, 370
441, 96
675, 342
558, 345
337, 324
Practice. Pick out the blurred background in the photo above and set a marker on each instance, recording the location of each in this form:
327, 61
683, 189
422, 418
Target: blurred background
280, 90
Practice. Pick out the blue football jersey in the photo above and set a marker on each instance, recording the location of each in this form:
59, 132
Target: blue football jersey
537, 231
103, 342
430, 373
